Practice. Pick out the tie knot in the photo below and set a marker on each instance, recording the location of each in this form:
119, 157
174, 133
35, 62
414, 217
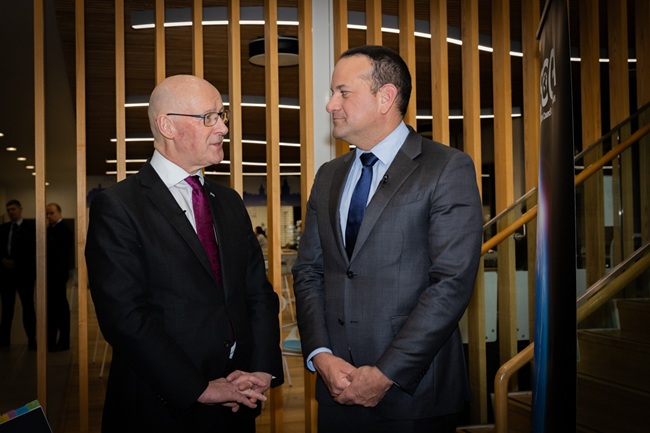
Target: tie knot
368, 159
194, 182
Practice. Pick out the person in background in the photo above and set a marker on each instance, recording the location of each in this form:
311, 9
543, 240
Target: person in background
380, 289
179, 287
261, 237
60, 261
17, 273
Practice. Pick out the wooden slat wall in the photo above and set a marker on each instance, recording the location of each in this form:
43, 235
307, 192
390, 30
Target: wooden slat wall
642, 17
39, 158
472, 145
504, 178
82, 274
439, 72
530, 15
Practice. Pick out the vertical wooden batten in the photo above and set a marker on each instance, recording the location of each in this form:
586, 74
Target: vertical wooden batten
530, 16
39, 186
472, 146
591, 131
407, 51
341, 44
120, 98
271, 74
197, 38
642, 17
504, 177
82, 275
373, 22
235, 97
159, 17
619, 109
439, 72
306, 86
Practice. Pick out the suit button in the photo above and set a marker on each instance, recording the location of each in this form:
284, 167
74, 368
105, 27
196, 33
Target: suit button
226, 343
350, 274
341, 322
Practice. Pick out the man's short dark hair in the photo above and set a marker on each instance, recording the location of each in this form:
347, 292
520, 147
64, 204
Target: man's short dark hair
387, 67
13, 202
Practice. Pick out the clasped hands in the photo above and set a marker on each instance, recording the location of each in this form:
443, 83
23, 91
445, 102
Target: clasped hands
365, 386
239, 387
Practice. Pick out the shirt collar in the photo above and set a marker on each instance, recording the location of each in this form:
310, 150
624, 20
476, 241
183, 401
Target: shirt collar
387, 148
170, 173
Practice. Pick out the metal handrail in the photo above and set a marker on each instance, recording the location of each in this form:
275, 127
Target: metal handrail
606, 291
578, 156
595, 301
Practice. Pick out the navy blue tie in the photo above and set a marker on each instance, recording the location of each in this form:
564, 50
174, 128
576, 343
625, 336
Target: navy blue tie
359, 201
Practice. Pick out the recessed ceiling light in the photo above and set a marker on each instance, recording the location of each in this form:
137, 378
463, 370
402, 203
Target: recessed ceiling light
21, 158
12, 149
29, 167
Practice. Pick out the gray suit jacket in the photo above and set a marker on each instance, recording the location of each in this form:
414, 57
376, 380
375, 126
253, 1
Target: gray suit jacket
396, 302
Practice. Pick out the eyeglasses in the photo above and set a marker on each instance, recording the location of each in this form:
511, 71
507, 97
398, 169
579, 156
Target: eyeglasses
210, 118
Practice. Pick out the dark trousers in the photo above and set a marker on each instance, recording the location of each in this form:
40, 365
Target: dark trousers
58, 313
358, 419
8, 292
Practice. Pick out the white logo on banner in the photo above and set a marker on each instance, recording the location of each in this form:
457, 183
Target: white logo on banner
547, 82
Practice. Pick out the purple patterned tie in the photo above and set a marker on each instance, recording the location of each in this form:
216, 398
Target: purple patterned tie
204, 226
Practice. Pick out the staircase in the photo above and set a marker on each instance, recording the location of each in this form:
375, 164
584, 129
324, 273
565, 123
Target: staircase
614, 373
613, 382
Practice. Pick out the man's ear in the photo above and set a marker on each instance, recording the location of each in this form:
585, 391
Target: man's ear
165, 126
387, 97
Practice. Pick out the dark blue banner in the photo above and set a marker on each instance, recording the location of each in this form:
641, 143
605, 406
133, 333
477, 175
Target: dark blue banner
554, 385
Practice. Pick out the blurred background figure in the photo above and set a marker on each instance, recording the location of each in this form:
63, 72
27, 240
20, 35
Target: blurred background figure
60, 260
17, 272
261, 237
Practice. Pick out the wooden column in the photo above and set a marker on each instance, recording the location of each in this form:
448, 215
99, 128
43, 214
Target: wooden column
306, 94
82, 220
619, 109
472, 146
373, 22
407, 51
642, 17
592, 131
120, 91
504, 178
530, 15
439, 72
340, 45
235, 97
39, 186
197, 38
159, 17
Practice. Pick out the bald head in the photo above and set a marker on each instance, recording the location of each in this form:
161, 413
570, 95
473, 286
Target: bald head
177, 107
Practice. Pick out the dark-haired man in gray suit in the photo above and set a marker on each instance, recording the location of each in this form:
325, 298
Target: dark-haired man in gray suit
379, 322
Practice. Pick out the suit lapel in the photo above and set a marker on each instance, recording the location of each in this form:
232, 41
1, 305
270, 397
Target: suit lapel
336, 192
399, 170
162, 199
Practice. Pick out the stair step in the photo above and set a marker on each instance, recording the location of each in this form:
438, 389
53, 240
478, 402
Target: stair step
519, 411
486, 428
634, 315
616, 356
609, 408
